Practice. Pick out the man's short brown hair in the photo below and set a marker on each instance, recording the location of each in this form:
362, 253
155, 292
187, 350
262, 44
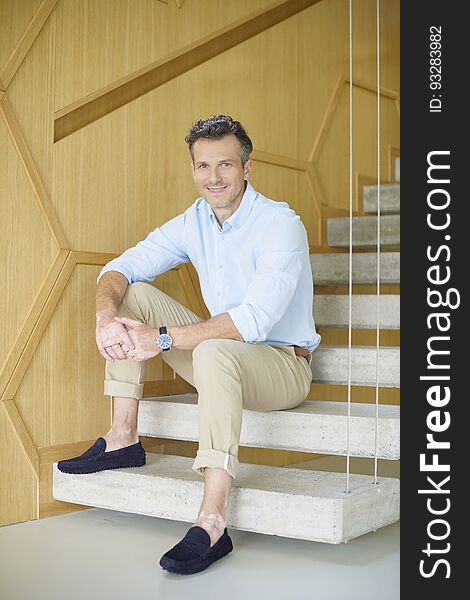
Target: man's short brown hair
217, 127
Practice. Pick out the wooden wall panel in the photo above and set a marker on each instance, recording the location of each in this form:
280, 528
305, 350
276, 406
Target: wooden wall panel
323, 54
61, 395
31, 94
18, 485
117, 166
100, 190
14, 17
275, 182
25, 246
332, 165
103, 41
365, 39
322, 57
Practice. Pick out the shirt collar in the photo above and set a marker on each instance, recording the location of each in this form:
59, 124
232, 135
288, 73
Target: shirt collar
239, 216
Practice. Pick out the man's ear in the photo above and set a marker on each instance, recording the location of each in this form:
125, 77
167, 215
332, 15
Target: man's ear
193, 171
247, 168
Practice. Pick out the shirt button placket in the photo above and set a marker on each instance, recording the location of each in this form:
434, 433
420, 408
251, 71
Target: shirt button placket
220, 276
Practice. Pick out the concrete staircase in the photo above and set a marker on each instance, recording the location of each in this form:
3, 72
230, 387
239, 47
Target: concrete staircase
284, 501
312, 427
332, 269
333, 311
365, 227
364, 231
389, 198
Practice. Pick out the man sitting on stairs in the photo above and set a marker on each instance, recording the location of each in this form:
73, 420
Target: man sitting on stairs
252, 257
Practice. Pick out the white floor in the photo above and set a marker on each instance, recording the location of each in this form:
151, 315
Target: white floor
99, 555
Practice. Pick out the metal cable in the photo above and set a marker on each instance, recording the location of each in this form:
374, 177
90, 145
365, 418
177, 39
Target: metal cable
378, 253
350, 243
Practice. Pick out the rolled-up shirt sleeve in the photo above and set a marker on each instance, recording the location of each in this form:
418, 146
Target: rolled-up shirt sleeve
160, 251
278, 270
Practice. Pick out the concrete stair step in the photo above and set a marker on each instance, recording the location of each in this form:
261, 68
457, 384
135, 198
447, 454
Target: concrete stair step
364, 231
317, 427
333, 311
357, 464
330, 364
282, 501
333, 269
389, 198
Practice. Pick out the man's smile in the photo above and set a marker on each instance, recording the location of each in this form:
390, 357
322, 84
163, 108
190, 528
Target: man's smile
217, 190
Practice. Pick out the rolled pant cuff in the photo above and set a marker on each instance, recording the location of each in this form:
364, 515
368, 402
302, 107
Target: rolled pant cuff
121, 388
215, 459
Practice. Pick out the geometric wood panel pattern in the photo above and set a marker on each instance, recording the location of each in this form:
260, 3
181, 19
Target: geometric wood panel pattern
18, 482
16, 49
39, 407
140, 34
102, 102
358, 134
31, 111
23, 228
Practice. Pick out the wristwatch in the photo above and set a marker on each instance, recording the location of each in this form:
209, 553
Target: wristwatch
164, 341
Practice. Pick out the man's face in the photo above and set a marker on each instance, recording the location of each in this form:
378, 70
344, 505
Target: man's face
218, 172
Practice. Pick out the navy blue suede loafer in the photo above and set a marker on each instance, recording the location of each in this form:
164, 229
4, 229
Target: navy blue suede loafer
96, 459
194, 552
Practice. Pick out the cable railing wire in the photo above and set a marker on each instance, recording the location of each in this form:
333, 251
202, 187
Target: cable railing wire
350, 245
377, 352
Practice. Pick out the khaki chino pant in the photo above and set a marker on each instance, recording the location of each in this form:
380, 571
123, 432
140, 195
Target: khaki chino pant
229, 375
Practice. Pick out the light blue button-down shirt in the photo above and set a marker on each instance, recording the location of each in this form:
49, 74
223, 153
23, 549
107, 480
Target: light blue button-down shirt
256, 267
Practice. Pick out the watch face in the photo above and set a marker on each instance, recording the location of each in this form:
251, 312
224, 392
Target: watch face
164, 341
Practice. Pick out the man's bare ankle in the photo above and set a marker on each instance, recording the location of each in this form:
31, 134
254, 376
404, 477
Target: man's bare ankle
120, 439
213, 523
